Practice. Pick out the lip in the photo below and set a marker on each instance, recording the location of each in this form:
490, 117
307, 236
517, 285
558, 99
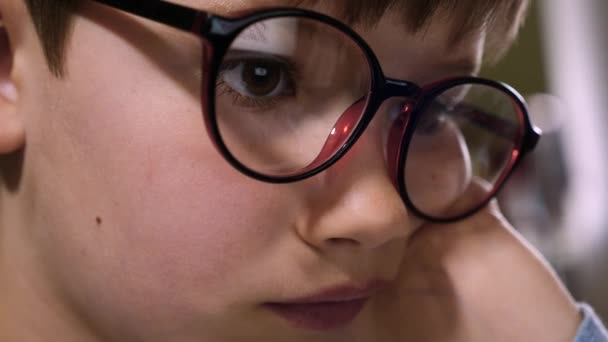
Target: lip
328, 309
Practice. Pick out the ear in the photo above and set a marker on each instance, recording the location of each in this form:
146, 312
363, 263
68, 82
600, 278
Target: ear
12, 129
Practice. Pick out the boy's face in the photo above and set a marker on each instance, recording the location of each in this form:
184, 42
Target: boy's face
142, 228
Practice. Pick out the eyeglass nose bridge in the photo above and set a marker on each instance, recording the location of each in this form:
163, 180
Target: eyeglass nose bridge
399, 88
410, 92
348, 120
344, 125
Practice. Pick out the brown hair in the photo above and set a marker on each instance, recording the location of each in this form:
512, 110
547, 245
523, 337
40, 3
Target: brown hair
502, 17
52, 19
52, 22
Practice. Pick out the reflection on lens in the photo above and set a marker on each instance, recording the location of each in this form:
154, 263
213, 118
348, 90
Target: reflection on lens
289, 93
464, 137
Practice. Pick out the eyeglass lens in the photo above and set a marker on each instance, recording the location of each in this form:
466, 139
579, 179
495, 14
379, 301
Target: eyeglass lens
462, 147
287, 84
282, 86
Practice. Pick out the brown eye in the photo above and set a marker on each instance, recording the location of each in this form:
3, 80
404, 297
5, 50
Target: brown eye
261, 78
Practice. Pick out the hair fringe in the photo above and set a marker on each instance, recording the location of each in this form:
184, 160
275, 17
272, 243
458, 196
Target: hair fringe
52, 19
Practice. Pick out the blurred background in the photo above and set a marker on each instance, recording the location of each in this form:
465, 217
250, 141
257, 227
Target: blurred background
558, 197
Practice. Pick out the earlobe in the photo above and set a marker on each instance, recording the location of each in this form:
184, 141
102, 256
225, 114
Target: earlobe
12, 131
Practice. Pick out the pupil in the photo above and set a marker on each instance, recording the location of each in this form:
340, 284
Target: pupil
261, 78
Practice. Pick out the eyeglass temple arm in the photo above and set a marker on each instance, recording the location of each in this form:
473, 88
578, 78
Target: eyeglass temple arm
177, 16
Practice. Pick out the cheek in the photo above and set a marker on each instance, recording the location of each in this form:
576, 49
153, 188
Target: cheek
135, 198
438, 170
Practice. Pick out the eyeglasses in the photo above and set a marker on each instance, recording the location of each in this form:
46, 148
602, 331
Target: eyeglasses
287, 92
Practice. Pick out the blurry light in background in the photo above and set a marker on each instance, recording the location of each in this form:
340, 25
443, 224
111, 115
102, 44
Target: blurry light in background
576, 59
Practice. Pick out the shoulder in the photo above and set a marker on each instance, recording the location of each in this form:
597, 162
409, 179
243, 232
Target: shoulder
591, 329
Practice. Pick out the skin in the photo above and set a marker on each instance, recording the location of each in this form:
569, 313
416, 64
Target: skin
478, 280
120, 221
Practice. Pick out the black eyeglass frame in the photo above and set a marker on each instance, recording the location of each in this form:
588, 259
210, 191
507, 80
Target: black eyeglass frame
218, 33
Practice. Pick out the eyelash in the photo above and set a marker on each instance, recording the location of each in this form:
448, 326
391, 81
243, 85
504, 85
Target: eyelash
291, 73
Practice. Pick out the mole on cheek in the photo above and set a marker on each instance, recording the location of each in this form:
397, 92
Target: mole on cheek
98, 220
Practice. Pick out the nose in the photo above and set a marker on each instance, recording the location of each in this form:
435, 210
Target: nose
357, 203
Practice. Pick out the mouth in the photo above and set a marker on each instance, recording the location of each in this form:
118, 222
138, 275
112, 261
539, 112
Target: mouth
326, 310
